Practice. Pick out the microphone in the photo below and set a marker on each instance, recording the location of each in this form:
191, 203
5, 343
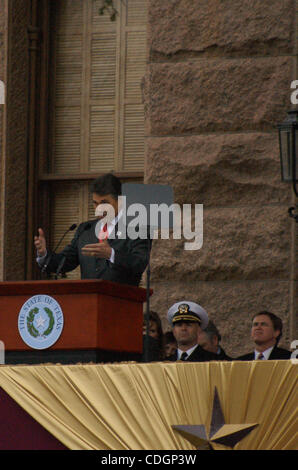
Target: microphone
48, 259
61, 264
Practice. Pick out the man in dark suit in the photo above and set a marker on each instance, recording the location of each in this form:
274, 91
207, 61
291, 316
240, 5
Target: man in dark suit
209, 339
266, 332
101, 247
187, 319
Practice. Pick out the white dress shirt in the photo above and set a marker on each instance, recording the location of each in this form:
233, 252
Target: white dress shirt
188, 352
110, 227
265, 353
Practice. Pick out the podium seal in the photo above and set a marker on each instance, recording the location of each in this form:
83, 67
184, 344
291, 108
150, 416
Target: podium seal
40, 321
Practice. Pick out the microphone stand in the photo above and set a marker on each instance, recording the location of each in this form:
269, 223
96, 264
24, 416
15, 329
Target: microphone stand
146, 342
49, 257
59, 269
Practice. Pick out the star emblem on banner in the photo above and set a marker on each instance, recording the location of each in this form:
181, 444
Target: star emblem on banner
220, 432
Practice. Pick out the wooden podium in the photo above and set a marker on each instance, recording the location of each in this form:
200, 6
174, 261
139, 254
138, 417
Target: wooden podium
103, 321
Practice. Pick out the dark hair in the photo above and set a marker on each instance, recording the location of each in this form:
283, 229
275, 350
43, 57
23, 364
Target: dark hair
276, 322
211, 330
154, 317
106, 184
168, 337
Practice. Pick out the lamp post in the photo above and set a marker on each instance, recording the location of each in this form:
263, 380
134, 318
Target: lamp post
288, 145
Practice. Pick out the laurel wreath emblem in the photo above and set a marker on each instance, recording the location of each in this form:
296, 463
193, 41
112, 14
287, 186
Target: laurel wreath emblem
31, 328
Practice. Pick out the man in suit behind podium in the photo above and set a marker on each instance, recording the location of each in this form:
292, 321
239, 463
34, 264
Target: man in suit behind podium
266, 332
103, 251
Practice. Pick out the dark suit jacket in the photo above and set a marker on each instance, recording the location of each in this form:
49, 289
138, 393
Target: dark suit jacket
198, 355
131, 257
276, 353
222, 356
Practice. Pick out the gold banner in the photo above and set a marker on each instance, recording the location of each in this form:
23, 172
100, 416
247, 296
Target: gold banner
133, 406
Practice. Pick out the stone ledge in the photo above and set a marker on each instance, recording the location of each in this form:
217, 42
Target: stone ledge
239, 244
237, 27
216, 96
219, 170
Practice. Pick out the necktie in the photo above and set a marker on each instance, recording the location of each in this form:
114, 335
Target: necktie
184, 356
103, 234
260, 357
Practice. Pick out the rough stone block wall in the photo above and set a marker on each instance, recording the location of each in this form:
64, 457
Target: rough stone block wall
217, 83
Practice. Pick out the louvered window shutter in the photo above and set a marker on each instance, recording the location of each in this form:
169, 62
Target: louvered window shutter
66, 87
97, 114
66, 209
135, 64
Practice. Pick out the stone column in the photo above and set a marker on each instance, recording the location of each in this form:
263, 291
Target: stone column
13, 208
217, 83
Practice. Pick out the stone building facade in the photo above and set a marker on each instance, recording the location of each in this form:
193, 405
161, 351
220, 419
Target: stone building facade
217, 83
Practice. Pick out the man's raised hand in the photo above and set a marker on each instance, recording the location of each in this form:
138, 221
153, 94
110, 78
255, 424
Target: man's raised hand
40, 243
98, 250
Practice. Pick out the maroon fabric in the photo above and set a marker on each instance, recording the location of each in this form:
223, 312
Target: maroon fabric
19, 431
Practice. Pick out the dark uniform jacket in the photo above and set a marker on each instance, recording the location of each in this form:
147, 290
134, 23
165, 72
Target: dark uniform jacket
276, 353
198, 355
131, 256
